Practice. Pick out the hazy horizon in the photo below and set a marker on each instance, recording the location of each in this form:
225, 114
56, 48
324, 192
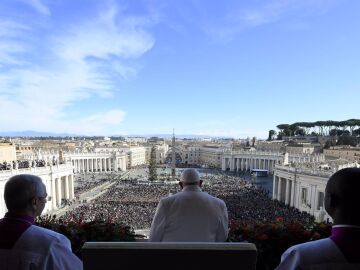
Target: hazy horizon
229, 69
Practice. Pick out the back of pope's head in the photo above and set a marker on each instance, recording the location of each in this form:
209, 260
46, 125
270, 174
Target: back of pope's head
190, 176
342, 199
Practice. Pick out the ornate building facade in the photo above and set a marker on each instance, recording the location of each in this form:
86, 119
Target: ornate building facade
58, 179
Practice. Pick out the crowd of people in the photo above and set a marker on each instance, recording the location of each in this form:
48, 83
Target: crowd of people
133, 203
84, 186
251, 204
22, 164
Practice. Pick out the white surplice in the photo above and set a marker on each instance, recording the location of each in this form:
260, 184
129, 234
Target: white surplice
40, 249
316, 255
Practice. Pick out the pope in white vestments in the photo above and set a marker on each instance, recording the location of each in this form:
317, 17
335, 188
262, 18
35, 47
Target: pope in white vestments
190, 215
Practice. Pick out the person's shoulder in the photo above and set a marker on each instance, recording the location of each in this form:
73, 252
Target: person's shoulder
213, 198
309, 247
312, 244
167, 199
44, 233
308, 252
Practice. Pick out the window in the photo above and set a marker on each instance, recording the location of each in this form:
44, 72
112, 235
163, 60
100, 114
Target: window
321, 197
304, 195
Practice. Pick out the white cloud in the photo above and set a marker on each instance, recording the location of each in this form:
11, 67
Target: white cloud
241, 18
38, 6
74, 66
113, 117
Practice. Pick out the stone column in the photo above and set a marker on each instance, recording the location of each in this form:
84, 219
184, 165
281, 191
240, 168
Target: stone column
53, 192
101, 167
279, 189
232, 163
71, 186
292, 200
67, 196
275, 183
287, 186
223, 164
111, 167
115, 160
58, 191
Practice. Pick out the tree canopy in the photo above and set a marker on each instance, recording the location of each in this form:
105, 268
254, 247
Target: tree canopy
320, 128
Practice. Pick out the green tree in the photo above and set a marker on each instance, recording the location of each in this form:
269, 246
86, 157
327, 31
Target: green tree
356, 132
152, 165
329, 143
300, 132
333, 132
284, 129
272, 134
347, 140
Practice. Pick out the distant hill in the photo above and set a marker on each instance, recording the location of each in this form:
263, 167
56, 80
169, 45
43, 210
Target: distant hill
32, 133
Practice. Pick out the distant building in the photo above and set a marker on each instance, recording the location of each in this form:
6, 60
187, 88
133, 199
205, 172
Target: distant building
23, 151
58, 179
304, 148
345, 152
272, 146
135, 139
303, 185
206, 155
7, 151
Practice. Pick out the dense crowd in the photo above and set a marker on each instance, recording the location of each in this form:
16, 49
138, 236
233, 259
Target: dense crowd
250, 204
84, 186
134, 203
22, 164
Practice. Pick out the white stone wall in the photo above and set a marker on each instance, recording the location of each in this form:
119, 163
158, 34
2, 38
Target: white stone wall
202, 156
59, 182
136, 156
248, 160
97, 161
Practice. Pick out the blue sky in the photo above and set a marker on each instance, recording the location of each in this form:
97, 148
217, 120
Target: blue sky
221, 68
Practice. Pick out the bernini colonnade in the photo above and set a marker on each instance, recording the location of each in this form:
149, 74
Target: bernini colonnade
58, 179
302, 188
246, 160
97, 161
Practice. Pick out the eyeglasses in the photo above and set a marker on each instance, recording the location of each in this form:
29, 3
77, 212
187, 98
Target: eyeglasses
44, 199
